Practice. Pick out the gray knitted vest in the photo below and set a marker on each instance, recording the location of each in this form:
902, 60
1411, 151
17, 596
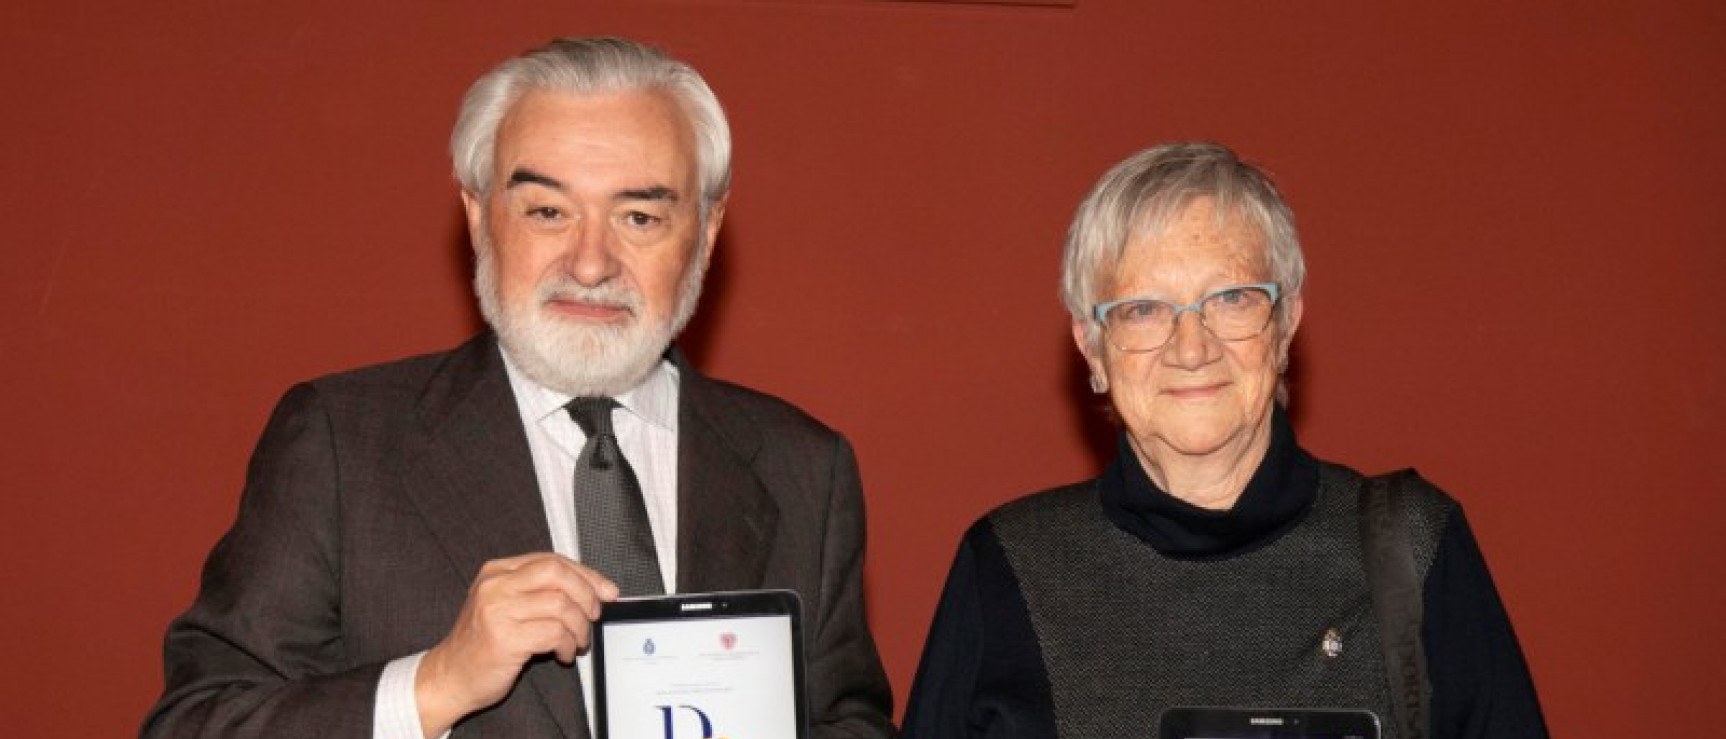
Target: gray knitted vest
1126, 632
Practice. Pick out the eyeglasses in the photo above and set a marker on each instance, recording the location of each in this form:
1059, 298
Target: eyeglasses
1146, 324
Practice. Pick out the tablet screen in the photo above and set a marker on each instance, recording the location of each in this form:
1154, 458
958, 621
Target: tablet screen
709, 666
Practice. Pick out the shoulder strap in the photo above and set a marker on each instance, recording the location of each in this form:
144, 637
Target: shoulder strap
1396, 601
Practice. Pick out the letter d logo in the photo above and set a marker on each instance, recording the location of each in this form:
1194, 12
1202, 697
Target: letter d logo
666, 714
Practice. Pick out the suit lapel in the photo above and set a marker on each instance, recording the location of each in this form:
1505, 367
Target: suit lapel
726, 521
471, 476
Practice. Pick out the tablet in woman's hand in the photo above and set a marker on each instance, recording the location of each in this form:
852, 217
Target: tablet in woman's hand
1266, 723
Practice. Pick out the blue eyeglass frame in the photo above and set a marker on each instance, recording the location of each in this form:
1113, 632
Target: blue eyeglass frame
1100, 311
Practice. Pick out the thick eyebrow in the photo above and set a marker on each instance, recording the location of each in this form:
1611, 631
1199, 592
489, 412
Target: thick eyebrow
657, 192
525, 176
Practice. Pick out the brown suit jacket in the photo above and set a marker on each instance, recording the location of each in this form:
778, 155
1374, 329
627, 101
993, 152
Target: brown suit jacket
375, 496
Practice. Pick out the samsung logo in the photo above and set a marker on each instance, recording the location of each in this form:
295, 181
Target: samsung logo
704, 606
1265, 721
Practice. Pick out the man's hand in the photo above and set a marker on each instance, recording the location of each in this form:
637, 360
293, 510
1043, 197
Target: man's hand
518, 608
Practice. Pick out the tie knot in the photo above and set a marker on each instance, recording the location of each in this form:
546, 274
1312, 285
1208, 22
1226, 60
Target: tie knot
593, 415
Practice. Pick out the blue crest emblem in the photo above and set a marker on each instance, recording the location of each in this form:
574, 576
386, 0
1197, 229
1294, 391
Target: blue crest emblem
648, 648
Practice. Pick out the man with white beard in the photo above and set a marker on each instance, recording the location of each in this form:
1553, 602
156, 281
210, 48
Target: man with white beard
422, 546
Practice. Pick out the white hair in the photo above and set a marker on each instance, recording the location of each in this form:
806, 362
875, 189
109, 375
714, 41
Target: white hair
590, 66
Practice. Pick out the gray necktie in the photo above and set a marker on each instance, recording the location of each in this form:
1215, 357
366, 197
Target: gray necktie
610, 515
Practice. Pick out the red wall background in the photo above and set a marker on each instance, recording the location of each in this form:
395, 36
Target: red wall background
1511, 212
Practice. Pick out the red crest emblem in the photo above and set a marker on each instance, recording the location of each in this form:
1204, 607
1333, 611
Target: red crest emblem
728, 640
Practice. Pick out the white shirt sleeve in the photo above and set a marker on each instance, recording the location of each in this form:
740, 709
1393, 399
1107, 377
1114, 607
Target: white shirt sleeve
396, 714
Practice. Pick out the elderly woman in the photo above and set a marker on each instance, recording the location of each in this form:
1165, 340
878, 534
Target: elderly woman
1214, 562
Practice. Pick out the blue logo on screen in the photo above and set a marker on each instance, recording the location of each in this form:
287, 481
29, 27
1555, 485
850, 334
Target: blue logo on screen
667, 713
648, 648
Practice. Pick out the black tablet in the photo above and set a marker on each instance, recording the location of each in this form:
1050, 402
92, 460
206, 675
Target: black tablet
1266, 723
701, 666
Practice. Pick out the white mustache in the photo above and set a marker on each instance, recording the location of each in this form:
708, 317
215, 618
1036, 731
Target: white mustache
609, 294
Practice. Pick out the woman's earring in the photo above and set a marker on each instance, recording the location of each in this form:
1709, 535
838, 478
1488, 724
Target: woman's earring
1099, 383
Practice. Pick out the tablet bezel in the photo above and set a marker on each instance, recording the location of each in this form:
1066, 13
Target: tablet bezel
699, 606
1218, 722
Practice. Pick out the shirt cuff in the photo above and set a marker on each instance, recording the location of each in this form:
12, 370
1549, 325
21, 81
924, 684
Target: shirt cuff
396, 714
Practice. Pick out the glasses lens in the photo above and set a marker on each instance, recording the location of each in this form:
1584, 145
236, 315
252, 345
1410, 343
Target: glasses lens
1237, 312
1140, 325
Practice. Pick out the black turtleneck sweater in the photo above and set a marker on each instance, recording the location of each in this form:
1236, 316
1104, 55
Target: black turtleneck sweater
1278, 495
982, 673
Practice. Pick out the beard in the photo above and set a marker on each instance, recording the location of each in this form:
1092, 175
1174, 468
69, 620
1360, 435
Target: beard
577, 358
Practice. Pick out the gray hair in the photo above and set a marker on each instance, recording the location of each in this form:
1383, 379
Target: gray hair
1144, 193
590, 66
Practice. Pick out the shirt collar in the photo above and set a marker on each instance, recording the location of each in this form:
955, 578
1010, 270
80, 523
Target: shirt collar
654, 400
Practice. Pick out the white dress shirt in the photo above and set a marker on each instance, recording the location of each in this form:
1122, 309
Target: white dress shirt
646, 429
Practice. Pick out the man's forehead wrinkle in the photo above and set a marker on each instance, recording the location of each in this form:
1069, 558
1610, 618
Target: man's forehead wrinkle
526, 175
